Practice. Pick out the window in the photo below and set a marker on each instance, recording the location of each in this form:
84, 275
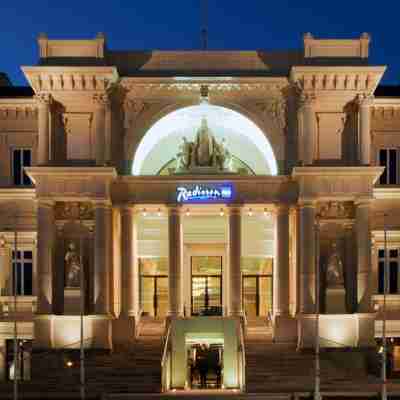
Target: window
21, 158
23, 360
389, 158
22, 272
393, 270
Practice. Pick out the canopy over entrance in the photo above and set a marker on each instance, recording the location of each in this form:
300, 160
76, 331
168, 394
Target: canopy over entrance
243, 139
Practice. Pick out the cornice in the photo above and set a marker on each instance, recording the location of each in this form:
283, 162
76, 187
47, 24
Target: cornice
61, 78
374, 172
355, 79
17, 194
387, 193
83, 173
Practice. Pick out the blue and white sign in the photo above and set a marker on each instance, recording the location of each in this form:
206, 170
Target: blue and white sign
204, 193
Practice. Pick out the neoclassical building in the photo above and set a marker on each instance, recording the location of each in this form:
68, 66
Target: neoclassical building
201, 190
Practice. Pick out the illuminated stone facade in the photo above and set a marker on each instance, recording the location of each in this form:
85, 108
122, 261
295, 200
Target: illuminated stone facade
310, 126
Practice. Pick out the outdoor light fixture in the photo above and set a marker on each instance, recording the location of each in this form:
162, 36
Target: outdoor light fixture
267, 213
187, 212
221, 212
159, 212
250, 213
144, 212
70, 364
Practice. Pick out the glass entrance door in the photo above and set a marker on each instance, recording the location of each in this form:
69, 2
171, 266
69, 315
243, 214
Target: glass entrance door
155, 295
257, 295
206, 285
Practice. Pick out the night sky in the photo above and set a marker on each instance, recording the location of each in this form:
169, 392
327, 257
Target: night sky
175, 24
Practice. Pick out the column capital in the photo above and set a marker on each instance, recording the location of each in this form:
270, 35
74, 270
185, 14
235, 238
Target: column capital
128, 209
234, 209
44, 99
307, 99
282, 208
49, 203
363, 202
307, 203
364, 100
101, 203
101, 100
174, 209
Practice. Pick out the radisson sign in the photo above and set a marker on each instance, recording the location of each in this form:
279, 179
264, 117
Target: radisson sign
204, 193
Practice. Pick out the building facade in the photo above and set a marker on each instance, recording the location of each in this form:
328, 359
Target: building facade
188, 186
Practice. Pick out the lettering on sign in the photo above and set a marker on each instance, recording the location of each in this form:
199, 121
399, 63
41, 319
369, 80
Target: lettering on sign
204, 193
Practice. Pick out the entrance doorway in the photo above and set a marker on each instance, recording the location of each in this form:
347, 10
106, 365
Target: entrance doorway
205, 365
206, 285
257, 286
155, 295
257, 295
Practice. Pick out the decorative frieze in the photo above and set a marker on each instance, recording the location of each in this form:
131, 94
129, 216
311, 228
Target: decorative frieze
333, 210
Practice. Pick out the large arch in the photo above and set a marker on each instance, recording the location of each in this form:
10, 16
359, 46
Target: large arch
245, 139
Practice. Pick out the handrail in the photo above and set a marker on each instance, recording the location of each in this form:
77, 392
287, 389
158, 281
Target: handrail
243, 354
165, 346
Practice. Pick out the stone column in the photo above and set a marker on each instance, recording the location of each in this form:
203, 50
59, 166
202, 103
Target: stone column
309, 124
363, 256
129, 266
364, 104
101, 104
235, 252
124, 326
281, 265
175, 240
284, 328
350, 273
6, 269
44, 102
307, 257
45, 256
102, 257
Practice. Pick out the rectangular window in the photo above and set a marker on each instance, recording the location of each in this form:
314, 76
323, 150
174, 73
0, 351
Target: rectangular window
21, 158
22, 272
392, 271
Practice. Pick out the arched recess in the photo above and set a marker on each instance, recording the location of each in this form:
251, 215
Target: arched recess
245, 139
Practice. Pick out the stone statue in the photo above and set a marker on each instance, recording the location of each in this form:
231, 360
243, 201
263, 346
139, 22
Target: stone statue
184, 155
72, 267
204, 144
334, 269
204, 153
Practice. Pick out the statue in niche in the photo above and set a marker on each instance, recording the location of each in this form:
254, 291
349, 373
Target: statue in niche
334, 269
72, 267
204, 151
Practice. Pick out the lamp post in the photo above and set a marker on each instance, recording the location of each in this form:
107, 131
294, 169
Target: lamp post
317, 390
385, 288
82, 306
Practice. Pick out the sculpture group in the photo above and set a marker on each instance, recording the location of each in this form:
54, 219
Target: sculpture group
203, 152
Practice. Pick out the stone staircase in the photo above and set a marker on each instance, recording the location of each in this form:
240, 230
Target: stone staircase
135, 370
272, 367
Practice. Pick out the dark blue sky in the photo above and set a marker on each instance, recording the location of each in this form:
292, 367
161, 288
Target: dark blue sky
175, 24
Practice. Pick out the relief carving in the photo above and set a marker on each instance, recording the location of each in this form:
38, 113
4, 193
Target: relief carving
74, 210
275, 108
336, 210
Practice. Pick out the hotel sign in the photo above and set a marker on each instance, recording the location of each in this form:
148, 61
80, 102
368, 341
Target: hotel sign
205, 193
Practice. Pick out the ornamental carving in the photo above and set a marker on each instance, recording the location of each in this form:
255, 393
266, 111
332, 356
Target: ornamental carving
336, 210
132, 109
276, 109
74, 211
101, 99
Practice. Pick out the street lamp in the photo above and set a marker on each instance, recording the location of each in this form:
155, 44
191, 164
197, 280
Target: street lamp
385, 288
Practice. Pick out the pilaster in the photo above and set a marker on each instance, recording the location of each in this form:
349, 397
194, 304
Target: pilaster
44, 101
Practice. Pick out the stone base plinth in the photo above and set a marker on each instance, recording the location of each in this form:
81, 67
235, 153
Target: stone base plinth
337, 330
123, 331
72, 301
285, 329
64, 331
336, 300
